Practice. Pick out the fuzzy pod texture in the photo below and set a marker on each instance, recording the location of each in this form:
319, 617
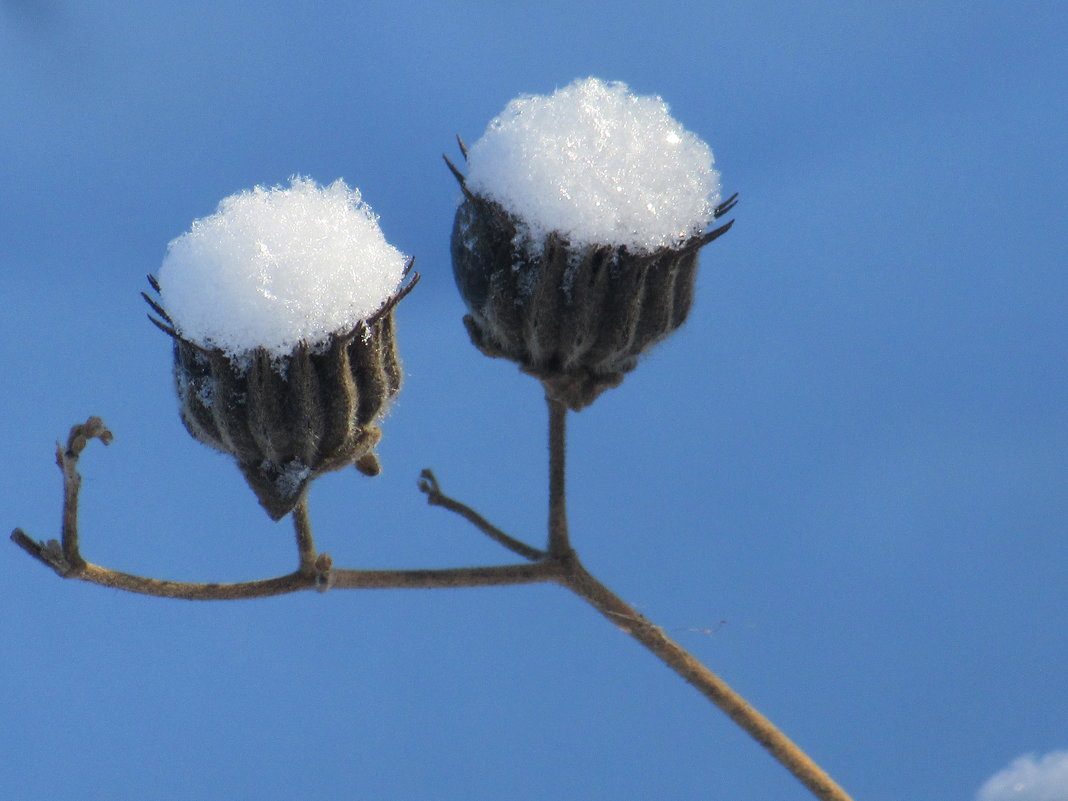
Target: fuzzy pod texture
579, 318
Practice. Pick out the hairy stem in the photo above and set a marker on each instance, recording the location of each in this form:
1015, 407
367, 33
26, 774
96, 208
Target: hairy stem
305, 540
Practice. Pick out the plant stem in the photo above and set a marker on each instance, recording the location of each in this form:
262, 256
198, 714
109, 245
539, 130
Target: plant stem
315, 572
577, 579
305, 540
789, 755
559, 539
560, 565
428, 484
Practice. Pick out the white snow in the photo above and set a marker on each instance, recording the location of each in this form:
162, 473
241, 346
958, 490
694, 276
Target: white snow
598, 165
276, 266
290, 479
1029, 779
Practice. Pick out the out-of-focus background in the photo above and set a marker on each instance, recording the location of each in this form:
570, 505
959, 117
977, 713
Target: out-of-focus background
843, 484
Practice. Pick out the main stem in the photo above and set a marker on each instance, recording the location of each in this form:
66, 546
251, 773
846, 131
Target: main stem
622, 615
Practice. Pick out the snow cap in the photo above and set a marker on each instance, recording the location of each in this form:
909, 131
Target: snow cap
598, 165
273, 267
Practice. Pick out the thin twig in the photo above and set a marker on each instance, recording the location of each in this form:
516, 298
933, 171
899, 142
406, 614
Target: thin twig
489, 576
67, 461
447, 578
576, 578
562, 567
428, 484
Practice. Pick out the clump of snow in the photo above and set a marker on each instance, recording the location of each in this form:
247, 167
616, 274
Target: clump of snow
598, 165
273, 267
1029, 779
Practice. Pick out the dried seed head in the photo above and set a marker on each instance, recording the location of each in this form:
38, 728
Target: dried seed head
576, 318
288, 420
576, 244
280, 305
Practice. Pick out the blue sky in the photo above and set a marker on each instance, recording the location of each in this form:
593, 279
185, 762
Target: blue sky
855, 453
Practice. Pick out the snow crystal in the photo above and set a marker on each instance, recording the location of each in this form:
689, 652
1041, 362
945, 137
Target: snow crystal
598, 165
289, 478
273, 267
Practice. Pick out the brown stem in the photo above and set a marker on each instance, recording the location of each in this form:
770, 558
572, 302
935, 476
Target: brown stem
577, 579
448, 578
315, 571
559, 540
305, 540
67, 460
582, 583
561, 565
428, 484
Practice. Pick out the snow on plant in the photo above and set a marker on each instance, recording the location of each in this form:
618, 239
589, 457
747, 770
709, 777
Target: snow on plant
280, 307
598, 165
273, 267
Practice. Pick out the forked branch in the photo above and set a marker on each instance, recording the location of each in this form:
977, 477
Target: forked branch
580, 581
315, 571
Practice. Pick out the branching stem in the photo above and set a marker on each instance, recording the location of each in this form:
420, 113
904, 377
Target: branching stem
316, 572
577, 579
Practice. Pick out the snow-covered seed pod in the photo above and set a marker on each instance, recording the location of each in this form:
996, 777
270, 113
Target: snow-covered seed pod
288, 400
575, 246
576, 319
288, 420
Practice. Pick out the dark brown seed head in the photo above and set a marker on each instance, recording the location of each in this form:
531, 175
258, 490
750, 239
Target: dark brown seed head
577, 319
289, 420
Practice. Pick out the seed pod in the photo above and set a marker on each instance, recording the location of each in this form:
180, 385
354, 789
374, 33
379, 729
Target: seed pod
575, 318
287, 420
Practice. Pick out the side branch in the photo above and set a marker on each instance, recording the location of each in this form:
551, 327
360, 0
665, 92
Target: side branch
428, 485
67, 461
298, 581
315, 571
